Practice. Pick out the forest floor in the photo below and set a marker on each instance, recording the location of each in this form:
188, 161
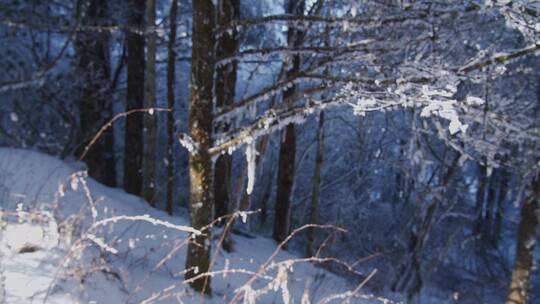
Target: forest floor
65, 238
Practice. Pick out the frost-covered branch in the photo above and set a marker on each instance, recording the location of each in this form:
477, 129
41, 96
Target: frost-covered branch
308, 20
271, 121
109, 124
499, 58
17, 85
145, 218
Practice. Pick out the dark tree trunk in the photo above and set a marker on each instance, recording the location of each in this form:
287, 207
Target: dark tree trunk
527, 236
133, 145
200, 129
266, 197
150, 98
287, 155
316, 192
95, 105
287, 150
171, 78
409, 277
222, 177
527, 233
227, 45
491, 198
480, 199
501, 202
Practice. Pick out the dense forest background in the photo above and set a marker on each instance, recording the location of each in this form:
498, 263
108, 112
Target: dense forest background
413, 125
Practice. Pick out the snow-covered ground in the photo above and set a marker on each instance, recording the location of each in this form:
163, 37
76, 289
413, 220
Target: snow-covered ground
65, 238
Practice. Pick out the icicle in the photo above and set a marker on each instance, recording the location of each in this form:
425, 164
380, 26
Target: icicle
251, 155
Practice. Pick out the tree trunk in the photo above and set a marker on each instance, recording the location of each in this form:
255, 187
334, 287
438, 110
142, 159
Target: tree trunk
133, 145
227, 45
266, 197
150, 98
287, 150
501, 202
480, 199
171, 78
200, 129
494, 191
527, 235
222, 176
95, 106
287, 155
409, 277
528, 226
316, 193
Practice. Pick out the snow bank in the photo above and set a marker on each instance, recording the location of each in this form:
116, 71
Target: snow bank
68, 239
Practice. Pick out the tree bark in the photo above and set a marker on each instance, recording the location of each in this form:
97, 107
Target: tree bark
527, 235
95, 106
133, 145
287, 150
409, 277
150, 98
171, 79
480, 199
501, 202
200, 129
316, 193
528, 226
227, 45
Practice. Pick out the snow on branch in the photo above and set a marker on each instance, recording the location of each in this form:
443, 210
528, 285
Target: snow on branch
499, 58
307, 20
187, 142
435, 98
62, 28
11, 86
232, 110
146, 218
522, 15
433, 92
303, 50
276, 89
271, 121
110, 123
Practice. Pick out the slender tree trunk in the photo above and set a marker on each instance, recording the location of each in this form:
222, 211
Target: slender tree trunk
527, 233
200, 129
287, 155
266, 197
316, 193
227, 45
287, 150
501, 202
95, 106
401, 179
171, 79
110, 161
409, 277
493, 188
133, 145
221, 185
480, 199
150, 98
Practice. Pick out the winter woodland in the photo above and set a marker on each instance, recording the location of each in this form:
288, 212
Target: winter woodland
261, 151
